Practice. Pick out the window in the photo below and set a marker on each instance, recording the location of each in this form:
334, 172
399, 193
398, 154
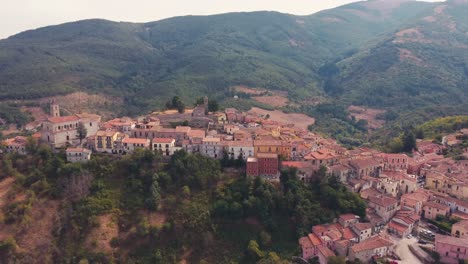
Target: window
90, 124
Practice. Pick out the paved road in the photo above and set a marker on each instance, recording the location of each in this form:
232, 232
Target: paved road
403, 251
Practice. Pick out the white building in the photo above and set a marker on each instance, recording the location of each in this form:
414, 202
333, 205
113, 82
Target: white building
78, 154
211, 147
166, 146
16, 144
58, 131
131, 144
236, 149
363, 230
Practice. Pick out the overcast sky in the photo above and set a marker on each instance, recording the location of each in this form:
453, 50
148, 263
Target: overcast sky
20, 15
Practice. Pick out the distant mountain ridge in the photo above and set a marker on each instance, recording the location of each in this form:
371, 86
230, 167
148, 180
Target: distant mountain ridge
374, 53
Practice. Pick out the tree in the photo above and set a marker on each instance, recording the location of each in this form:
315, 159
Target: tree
81, 131
176, 101
254, 251
199, 101
409, 141
337, 260
155, 195
181, 107
213, 105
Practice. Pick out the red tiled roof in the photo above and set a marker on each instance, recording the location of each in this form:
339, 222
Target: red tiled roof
267, 143
305, 242
372, 243
318, 229
437, 206
63, 119
183, 129
383, 200
326, 252
77, 150
315, 240
454, 241
135, 140
163, 140
348, 233
363, 226
196, 133
347, 217
296, 164
398, 227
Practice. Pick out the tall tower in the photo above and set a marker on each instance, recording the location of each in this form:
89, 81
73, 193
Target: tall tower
54, 109
205, 103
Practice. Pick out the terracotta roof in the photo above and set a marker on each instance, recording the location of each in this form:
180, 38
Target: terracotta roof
454, 241
399, 227
211, 140
363, 226
135, 141
63, 119
437, 206
383, 200
348, 233
16, 141
344, 243
326, 252
89, 116
347, 217
315, 240
296, 164
463, 224
166, 130
163, 140
77, 150
305, 242
183, 129
365, 163
370, 244
238, 143
460, 215
267, 143
319, 229
196, 133
106, 133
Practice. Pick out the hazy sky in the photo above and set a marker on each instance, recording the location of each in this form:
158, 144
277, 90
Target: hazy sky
20, 15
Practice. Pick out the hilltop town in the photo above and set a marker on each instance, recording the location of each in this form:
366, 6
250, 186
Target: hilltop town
419, 194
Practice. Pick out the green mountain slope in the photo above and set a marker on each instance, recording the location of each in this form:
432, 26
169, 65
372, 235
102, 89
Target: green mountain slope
147, 63
424, 63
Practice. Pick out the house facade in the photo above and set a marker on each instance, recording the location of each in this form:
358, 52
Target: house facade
78, 154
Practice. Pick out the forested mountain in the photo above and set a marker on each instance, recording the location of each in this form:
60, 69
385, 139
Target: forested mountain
147, 63
422, 63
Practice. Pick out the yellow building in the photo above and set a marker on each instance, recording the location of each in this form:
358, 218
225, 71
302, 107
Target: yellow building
438, 182
105, 141
272, 146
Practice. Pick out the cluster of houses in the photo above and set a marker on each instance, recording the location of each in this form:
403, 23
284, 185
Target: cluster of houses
400, 190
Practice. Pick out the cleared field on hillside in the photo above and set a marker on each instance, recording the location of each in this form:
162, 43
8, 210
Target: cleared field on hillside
299, 120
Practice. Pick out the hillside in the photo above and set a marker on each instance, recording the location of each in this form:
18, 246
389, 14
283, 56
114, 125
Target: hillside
147, 63
423, 63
